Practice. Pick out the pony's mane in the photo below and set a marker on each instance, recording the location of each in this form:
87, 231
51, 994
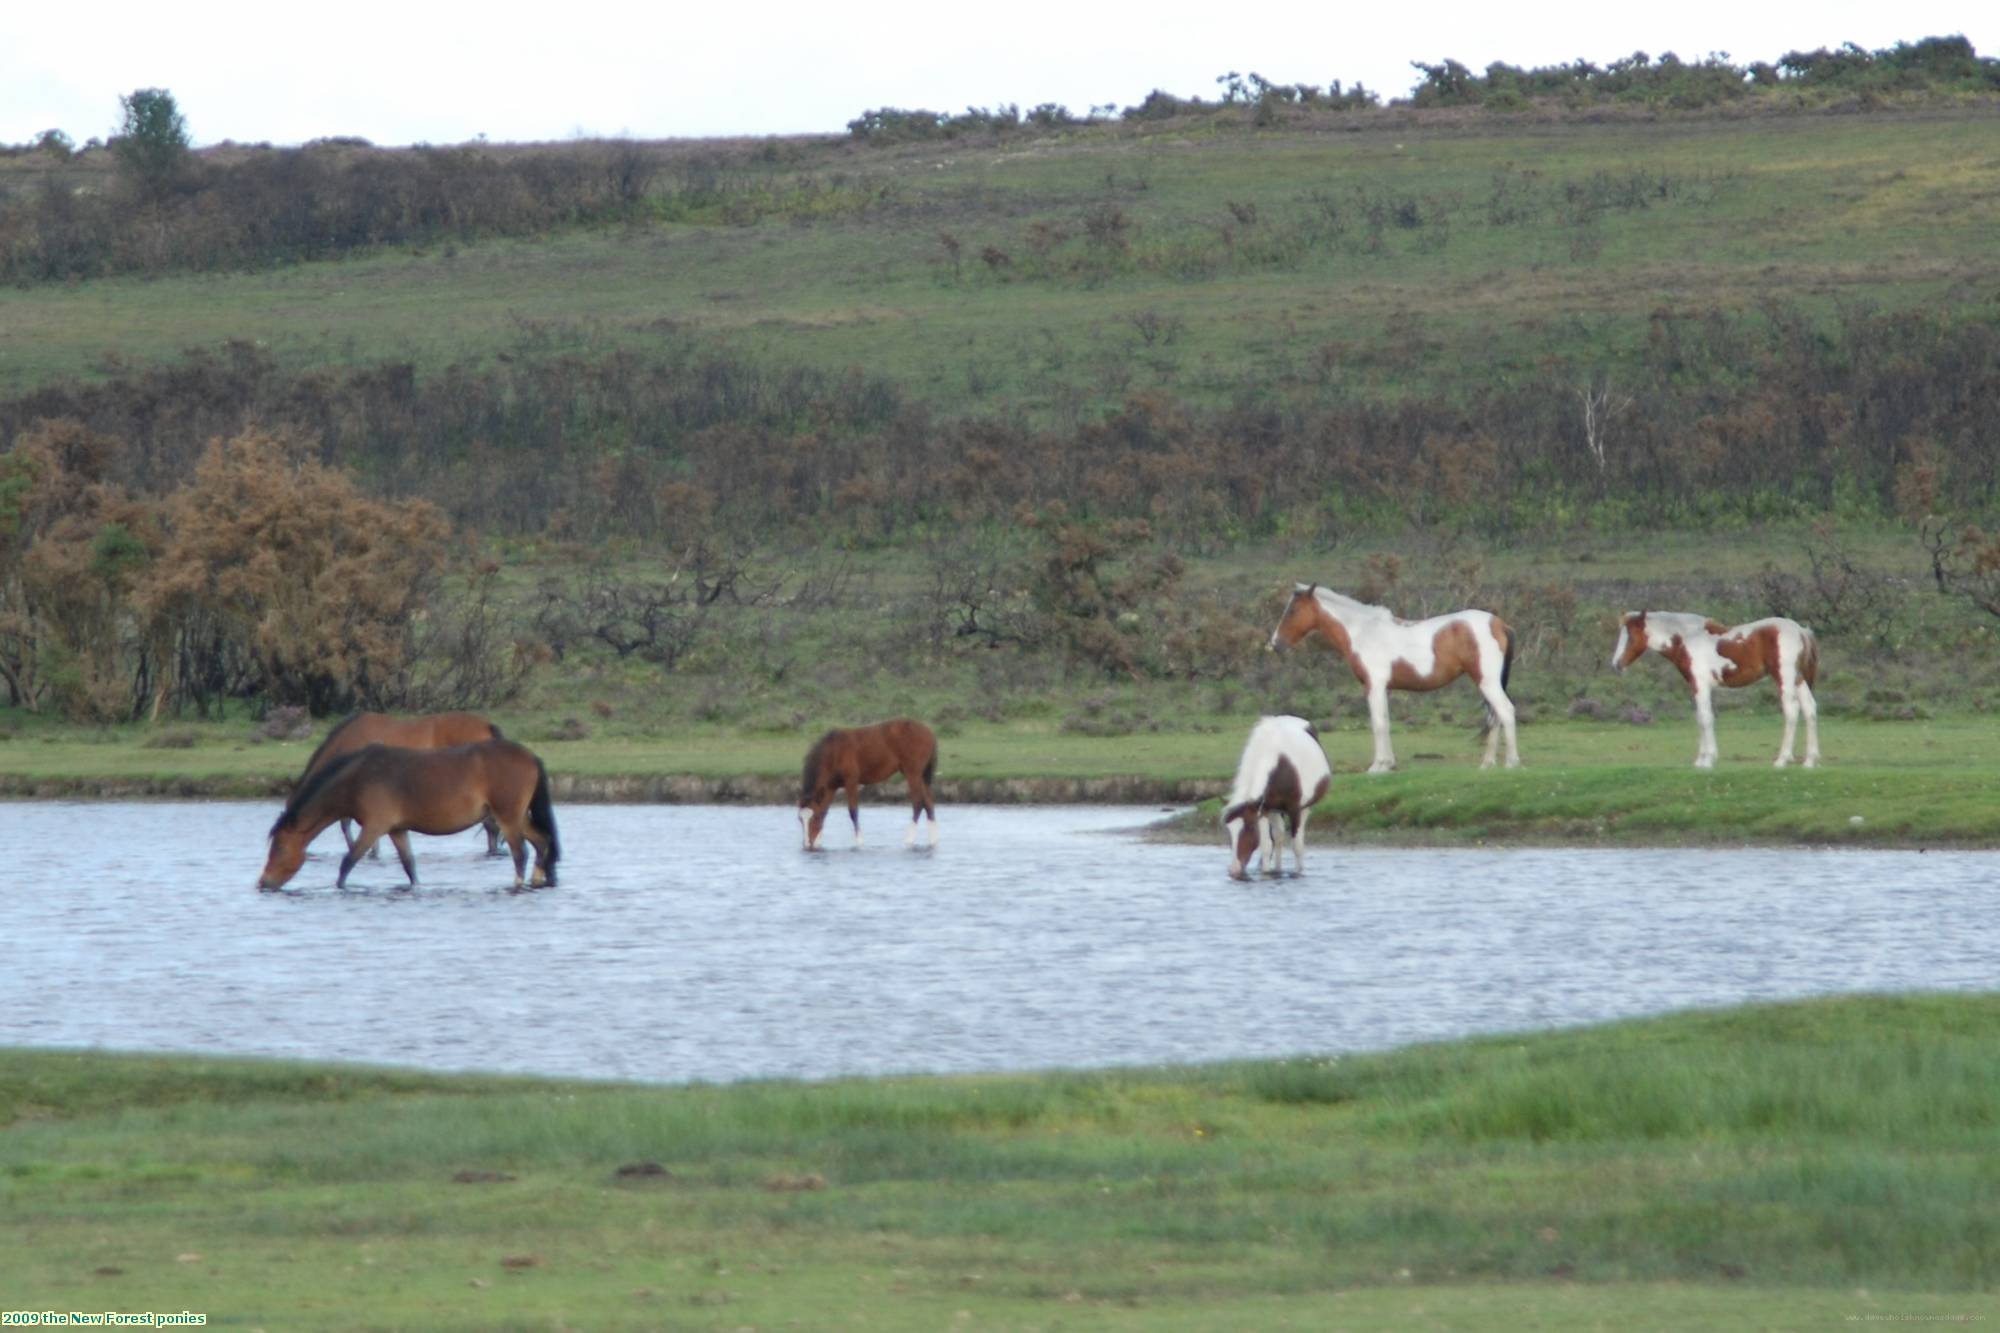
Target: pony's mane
313, 785
339, 727
1683, 623
1342, 605
811, 772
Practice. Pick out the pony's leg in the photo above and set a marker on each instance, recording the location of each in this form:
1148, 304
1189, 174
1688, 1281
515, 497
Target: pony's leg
1810, 707
401, 841
854, 809
347, 833
1299, 842
1269, 861
921, 804
1704, 719
517, 846
1378, 722
1788, 699
363, 845
1499, 722
540, 877
492, 827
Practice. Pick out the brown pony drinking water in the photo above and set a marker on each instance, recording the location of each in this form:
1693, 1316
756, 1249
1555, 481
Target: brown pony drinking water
854, 758
398, 792
432, 731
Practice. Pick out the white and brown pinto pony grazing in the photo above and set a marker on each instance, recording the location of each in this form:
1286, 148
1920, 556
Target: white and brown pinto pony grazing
1281, 776
1388, 653
1709, 653
856, 757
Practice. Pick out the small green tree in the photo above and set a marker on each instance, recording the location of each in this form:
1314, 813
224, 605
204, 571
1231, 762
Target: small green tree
152, 139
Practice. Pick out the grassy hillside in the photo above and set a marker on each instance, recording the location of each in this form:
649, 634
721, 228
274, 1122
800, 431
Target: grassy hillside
1024, 433
1771, 1167
1385, 250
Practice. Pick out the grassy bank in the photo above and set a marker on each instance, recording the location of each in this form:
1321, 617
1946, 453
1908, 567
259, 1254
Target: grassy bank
1770, 1167
1884, 783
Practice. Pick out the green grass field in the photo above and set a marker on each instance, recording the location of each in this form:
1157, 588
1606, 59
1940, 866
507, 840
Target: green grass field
1779, 1167
1384, 252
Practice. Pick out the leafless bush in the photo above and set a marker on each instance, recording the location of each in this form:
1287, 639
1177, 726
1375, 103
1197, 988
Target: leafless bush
1837, 594
286, 722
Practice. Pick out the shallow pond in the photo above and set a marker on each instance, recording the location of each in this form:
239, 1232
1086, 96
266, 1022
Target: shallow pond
700, 943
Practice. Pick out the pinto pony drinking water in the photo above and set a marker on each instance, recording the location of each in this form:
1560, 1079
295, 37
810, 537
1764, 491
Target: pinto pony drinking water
1388, 653
399, 792
1708, 653
432, 731
1281, 776
859, 756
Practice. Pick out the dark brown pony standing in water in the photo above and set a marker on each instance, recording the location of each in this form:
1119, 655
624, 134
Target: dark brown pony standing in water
432, 731
857, 757
398, 792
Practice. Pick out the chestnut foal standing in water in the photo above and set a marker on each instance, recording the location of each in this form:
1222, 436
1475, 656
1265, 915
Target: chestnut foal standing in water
1281, 776
1708, 653
1387, 653
857, 757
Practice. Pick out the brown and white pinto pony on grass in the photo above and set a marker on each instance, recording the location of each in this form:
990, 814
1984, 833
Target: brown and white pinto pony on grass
858, 756
1281, 776
1709, 653
1387, 653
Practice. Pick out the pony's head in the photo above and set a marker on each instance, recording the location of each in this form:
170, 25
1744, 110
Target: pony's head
1300, 619
1632, 641
812, 818
1242, 824
303, 817
288, 852
815, 793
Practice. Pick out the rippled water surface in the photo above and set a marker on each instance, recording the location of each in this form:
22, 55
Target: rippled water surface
689, 943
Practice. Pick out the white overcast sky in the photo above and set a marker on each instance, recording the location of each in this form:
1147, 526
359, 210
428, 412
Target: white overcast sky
416, 72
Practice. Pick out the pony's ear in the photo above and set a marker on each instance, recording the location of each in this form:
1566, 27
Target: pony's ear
1715, 627
1238, 811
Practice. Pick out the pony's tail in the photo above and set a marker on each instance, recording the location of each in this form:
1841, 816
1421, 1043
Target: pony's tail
1809, 658
1506, 655
542, 819
930, 767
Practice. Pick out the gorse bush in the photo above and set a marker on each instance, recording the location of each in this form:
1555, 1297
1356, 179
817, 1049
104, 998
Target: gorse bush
265, 575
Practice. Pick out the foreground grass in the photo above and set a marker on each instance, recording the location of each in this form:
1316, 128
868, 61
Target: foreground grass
1777, 1166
